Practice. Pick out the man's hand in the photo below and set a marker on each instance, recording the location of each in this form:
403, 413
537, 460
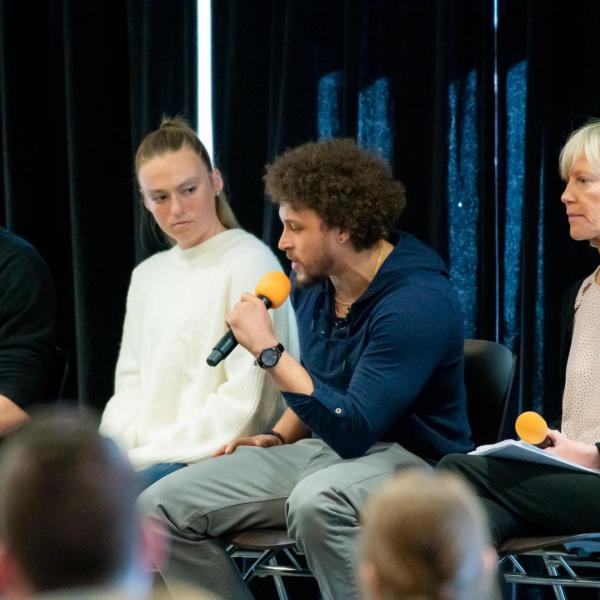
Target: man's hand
263, 440
250, 323
582, 454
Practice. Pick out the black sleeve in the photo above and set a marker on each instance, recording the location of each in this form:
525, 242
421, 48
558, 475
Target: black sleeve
27, 310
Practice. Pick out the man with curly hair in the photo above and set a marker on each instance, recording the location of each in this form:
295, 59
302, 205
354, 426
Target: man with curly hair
380, 385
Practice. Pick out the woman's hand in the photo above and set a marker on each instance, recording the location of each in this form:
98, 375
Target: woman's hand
263, 440
580, 453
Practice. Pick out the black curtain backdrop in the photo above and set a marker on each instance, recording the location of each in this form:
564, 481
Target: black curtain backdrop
270, 55
268, 59
80, 83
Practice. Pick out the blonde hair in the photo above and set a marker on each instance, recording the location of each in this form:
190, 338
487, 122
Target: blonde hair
173, 134
586, 141
425, 537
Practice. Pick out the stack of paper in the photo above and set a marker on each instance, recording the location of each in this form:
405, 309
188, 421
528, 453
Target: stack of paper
518, 450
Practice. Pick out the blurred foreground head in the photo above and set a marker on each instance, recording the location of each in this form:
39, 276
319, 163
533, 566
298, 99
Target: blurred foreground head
426, 537
67, 509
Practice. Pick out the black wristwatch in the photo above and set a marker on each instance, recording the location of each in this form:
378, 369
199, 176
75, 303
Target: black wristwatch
269, 357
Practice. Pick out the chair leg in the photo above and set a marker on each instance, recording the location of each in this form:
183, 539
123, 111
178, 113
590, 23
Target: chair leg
249, 573
293, 560
279, 585
559, 592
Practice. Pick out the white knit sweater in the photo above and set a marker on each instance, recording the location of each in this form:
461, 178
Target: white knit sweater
169, 405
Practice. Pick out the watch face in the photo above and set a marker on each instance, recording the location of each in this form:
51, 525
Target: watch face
269, 357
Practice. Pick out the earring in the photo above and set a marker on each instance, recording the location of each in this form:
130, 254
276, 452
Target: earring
217, 193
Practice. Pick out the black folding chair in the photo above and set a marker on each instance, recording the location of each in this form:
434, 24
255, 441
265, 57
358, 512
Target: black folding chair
489, 373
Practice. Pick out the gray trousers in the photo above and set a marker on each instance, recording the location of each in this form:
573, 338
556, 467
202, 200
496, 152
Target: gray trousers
305, 486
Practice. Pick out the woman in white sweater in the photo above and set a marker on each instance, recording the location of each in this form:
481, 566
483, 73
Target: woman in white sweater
170, 408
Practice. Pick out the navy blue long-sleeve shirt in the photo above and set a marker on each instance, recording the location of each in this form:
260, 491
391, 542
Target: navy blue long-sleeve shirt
393, 369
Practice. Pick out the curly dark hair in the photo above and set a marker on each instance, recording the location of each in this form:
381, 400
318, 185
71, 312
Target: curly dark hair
345, 185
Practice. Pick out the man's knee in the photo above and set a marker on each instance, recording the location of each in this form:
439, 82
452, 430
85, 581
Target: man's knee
313, 507
154, 501
172, 501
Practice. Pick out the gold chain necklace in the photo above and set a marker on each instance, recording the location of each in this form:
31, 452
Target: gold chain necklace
346, 306
379, 259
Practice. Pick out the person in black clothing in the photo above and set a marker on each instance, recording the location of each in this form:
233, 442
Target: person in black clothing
27, 307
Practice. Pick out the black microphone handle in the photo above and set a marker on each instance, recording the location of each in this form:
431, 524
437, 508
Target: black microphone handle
222, 349
227, 343
265, 300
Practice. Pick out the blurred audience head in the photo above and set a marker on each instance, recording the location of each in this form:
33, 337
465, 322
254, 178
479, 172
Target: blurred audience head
425, 537
68, 516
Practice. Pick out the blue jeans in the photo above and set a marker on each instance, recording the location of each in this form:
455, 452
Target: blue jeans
152, 474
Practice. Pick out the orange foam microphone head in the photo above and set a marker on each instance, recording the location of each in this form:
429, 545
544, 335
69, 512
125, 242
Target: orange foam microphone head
531, 427
275, 286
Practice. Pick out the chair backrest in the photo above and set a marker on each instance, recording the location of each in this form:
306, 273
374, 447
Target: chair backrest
489, 374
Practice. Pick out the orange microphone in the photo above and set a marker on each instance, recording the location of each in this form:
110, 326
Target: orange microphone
272, 289
533, 429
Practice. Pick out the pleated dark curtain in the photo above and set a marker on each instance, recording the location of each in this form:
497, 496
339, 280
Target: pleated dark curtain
469, 101
80, 83
411, 79
286, 72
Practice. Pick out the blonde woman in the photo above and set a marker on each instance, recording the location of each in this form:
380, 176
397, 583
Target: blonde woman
170, 408
523, 498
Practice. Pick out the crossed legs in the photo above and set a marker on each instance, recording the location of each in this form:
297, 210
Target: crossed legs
523, 498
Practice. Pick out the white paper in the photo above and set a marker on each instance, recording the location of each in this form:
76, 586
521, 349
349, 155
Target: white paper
519, 450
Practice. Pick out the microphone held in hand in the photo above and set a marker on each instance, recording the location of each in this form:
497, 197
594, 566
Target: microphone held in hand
533, 429
272, 289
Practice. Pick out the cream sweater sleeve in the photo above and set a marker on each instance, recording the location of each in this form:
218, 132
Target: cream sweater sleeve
119, 419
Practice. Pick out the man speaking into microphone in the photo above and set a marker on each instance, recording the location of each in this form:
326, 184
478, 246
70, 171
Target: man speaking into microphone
379, 387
